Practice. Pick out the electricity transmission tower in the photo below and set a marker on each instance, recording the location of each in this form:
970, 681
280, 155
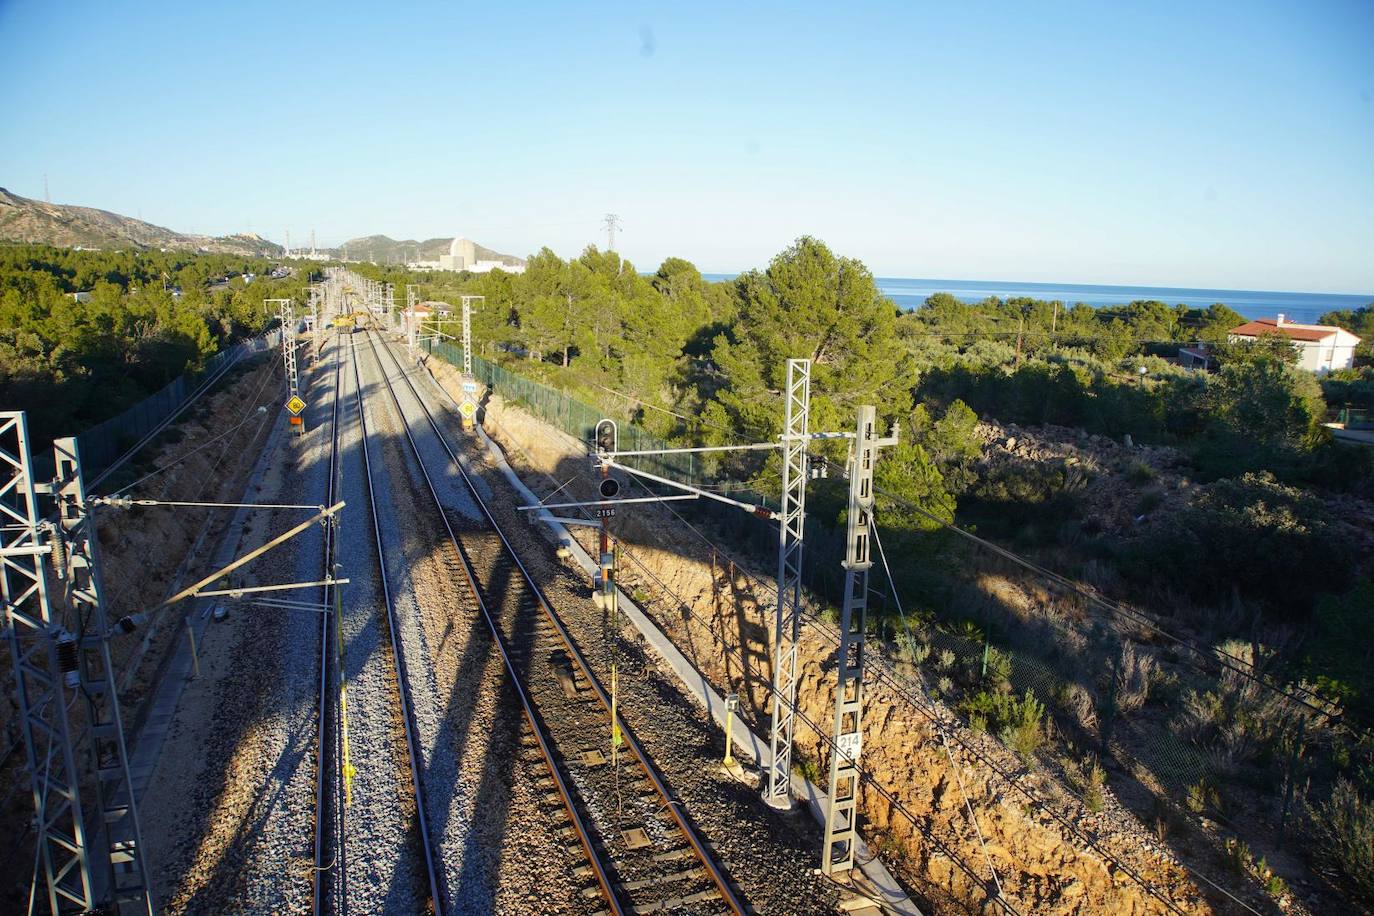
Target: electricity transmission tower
59, 645
612, 224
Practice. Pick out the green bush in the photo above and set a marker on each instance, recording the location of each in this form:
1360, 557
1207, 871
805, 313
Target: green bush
1339, 655
1344, 830
1016, 721
998, 673
1140, 473
1238, 533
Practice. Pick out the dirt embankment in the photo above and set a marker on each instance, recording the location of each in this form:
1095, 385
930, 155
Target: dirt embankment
146, 552
721, 617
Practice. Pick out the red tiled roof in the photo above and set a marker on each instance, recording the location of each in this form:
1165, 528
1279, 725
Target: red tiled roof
1269, 326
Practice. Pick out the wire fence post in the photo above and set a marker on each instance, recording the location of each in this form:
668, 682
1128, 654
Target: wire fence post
1292, 775
1109, 706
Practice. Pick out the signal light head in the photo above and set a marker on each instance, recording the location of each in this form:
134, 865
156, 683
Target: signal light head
606, 436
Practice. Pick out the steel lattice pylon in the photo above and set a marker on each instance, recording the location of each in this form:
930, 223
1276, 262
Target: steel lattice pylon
288, 344
791, 523
58, 649
64, 869
128, 868
841, 827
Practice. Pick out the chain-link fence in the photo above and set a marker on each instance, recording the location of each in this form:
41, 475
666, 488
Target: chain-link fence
103, 444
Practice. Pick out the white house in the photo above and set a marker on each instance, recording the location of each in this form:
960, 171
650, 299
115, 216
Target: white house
1323, 348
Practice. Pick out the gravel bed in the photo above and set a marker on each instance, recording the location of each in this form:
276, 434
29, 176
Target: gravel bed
769, 856
381, 864
497, 841
229, 822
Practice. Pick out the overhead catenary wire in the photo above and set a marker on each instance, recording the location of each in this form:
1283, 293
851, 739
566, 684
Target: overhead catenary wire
934, 717
998, 897
944, 738
1225, 659
932, 714
1016, 783
200, 390
261, 410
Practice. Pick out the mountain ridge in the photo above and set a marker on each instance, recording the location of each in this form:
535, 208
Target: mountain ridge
383, 249
23, 219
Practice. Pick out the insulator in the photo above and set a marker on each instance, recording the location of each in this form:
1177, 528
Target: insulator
67, 660
57, 539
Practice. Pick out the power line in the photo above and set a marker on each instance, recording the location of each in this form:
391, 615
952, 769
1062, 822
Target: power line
1225, 659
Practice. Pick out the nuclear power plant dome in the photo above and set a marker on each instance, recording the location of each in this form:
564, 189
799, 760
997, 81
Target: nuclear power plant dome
462, 248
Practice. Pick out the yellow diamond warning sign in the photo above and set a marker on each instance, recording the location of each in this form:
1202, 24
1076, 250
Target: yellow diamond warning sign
467, 409
295, 405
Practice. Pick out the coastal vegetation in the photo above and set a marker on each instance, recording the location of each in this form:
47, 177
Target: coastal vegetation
1232, 528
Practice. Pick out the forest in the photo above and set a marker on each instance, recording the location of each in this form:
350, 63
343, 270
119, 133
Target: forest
150, 317
703, 363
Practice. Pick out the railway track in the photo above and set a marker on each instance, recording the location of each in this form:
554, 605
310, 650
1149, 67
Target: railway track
642, 853
376, 856
390, 827
324, 860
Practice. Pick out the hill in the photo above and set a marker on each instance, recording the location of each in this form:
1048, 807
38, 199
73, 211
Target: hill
382, 249
25, 220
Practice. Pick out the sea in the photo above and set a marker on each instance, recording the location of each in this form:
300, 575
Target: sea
1304, 308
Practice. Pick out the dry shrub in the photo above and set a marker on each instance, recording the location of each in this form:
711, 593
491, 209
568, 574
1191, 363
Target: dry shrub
1081, 703
1135, 673
1344, 830
1101, 575
1233, 722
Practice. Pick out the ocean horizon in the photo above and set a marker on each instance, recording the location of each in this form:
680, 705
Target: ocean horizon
1305, 308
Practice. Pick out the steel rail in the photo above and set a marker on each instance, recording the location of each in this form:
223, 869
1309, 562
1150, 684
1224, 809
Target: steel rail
631, 739
397, 655
326, 622
531, 712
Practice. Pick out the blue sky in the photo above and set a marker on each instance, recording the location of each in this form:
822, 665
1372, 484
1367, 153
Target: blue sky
1200, 144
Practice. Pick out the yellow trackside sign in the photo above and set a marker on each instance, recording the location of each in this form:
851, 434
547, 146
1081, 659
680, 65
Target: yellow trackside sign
295, 405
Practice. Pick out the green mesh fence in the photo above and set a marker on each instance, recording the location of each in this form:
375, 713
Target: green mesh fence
104, 443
